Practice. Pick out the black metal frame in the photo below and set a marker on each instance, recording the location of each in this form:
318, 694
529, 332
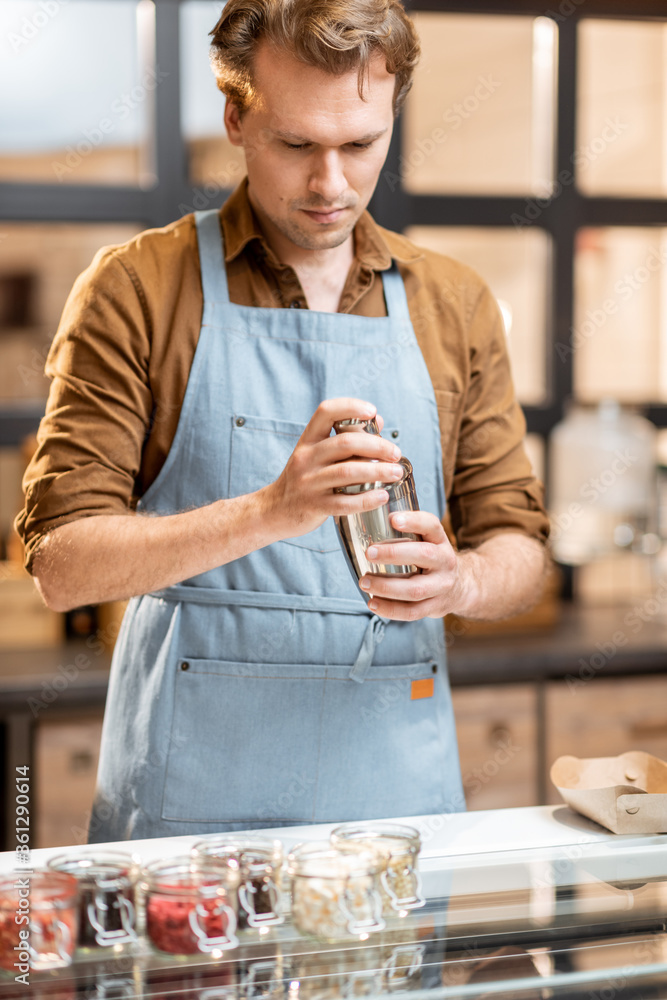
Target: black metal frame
564, 214
561, 216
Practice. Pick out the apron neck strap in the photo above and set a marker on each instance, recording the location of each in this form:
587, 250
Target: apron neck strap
394, 295
214, 273
211, 256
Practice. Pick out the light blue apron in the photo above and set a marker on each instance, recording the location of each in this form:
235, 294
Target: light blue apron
265, 693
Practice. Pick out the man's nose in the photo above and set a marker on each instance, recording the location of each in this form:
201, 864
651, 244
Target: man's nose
327, 178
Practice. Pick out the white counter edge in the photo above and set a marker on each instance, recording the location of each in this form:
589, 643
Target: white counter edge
451, 835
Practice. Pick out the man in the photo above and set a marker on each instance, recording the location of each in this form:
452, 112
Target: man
252, 685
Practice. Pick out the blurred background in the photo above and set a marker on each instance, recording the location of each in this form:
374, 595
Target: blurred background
533, 147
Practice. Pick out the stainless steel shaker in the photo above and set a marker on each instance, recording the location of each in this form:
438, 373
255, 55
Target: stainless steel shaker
357, 531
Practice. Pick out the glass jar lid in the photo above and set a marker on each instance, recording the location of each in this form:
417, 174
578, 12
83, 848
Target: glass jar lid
46, 888
111, 869
322, 860
182, 876
231, 846
392, 840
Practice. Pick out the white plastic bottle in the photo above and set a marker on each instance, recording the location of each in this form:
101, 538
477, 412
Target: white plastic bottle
602, 483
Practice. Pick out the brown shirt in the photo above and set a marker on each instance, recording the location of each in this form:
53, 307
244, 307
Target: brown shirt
121, 358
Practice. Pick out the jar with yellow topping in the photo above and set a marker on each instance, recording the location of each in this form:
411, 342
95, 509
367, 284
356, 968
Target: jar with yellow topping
399, 845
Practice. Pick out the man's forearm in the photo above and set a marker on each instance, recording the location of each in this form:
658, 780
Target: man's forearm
502, 577
113, 557
107, 558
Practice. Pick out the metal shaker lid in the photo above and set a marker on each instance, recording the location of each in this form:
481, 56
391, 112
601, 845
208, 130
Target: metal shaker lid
357, 424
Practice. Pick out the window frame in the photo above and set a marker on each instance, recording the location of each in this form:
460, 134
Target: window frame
561, 216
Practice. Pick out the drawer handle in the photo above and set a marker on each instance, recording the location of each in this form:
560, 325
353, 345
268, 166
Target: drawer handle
500, 735
649, 729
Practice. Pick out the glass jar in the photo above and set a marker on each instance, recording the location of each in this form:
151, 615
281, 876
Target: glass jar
187, 908
335, 894
259, 863
400, 846
38, 921
107, 905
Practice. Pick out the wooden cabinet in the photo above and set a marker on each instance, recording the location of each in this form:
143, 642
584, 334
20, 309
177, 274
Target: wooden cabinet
497, 733
65, 767
605, 717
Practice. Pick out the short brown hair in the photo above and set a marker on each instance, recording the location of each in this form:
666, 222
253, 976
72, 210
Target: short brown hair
334, 35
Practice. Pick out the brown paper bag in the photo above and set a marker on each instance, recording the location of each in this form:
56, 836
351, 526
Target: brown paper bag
626, 794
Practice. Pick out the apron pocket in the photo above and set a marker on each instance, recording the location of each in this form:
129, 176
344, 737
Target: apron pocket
260, 449
280, 743
244, 742
388, 745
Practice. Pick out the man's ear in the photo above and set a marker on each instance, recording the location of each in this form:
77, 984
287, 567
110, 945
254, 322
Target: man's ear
232, 119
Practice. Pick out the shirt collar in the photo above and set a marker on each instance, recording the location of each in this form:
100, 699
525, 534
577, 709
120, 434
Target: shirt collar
375, 247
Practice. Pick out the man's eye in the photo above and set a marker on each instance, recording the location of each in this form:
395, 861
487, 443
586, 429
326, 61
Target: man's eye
296, 145
361, 145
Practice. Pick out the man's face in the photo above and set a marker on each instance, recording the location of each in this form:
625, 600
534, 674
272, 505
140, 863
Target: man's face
314, 149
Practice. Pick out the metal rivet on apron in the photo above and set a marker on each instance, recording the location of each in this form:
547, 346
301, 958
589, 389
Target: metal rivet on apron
394, 434
240, 421
185, 665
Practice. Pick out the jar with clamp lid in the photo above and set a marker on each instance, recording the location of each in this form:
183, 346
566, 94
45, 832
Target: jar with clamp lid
258, 862
187, 908
107, 907
38, 921
399, 845
335, 894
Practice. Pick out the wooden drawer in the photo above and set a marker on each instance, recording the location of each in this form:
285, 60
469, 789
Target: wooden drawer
497, 735
602, 718
25, 621
66, 754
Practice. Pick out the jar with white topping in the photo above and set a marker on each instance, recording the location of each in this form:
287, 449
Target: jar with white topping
399, 845
335, 895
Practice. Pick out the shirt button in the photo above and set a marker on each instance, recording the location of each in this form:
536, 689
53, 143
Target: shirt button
394, 434
295, 304
240, 421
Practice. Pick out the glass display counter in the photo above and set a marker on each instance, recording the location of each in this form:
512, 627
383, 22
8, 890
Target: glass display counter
583, 920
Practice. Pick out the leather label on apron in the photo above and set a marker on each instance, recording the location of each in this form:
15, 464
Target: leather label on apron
422, 689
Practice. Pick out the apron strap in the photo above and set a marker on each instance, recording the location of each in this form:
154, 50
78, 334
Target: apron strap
260, 599
395, 296
372, 637
211, 256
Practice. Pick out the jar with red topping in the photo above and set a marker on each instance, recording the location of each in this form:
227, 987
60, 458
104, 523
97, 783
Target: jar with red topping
258, 862
188, 909
38, 920
107, 906
400, 846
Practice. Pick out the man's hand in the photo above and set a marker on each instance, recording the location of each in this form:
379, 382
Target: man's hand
500, 578
303, 496
111, 557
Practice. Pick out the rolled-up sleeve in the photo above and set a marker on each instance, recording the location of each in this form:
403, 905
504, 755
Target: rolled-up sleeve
99, 406
493, 487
